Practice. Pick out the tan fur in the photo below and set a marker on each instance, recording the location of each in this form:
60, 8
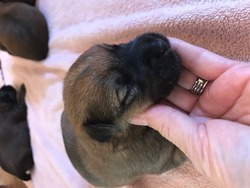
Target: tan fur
10, 180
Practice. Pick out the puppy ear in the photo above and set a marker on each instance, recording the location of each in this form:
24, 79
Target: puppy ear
126, 95
22, 92
101, 132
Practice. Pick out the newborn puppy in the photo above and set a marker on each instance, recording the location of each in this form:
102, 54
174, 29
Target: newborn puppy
23, 31
15, 149
103, 89
29, 2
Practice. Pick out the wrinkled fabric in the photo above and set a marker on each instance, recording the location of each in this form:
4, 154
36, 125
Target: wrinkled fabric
222, 26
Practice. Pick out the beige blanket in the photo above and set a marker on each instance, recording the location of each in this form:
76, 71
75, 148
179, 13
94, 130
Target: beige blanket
222, 26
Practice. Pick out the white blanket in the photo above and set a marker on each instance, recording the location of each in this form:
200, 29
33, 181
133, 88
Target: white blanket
222, 26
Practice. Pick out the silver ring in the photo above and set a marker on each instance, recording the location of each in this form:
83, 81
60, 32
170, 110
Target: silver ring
199, 86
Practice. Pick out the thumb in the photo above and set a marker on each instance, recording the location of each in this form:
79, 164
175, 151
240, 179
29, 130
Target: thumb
172, 124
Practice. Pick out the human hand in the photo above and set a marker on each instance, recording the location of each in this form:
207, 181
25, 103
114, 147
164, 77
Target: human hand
211, 129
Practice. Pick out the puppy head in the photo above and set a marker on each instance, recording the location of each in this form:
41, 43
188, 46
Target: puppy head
109, 84
8, 94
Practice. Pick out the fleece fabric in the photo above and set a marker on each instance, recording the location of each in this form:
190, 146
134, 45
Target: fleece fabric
222, 26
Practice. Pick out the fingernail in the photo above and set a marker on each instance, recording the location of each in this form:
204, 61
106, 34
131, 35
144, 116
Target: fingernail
138, 121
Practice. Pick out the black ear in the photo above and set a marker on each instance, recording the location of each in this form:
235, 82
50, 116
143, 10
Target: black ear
22, 93
99, 131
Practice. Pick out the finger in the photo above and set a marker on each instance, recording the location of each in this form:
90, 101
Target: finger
187, 79
226, 92
170, 123
201, 62
183, 99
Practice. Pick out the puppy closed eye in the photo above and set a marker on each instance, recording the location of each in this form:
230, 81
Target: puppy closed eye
126, 95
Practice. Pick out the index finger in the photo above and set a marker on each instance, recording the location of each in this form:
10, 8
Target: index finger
200, 61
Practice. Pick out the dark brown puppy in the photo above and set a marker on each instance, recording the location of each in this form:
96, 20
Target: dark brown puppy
29, 2
103, 89
23, 31
15, 149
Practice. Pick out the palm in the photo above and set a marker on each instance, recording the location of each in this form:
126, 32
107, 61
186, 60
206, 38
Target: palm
220, 141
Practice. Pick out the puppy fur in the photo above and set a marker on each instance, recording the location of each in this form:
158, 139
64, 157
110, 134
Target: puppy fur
23, 31
10, 181
15, 149
29, 2
103, 89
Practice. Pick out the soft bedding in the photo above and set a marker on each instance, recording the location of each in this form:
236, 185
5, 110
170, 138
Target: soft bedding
222, 26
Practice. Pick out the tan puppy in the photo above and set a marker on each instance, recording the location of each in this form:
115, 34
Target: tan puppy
103, 89
23, 31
